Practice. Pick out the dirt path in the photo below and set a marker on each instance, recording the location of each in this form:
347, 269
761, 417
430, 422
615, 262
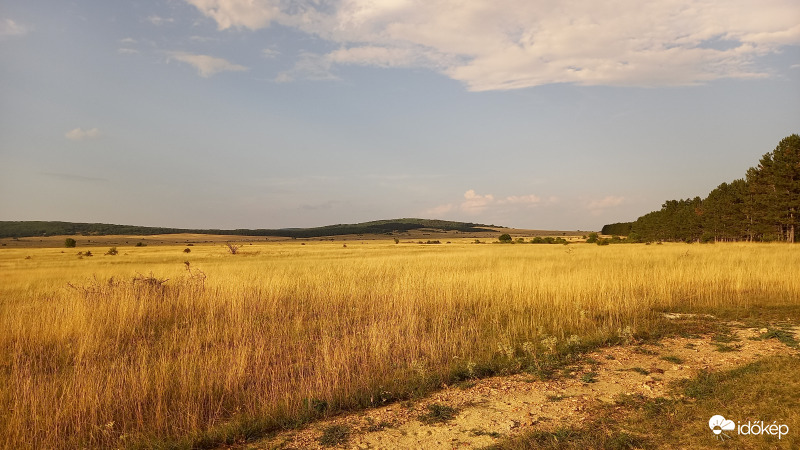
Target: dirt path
498, 407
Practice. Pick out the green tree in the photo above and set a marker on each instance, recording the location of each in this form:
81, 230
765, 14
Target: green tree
70, 243
505, 238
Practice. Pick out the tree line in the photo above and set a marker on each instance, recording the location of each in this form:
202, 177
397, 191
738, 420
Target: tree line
20, 229
762, 206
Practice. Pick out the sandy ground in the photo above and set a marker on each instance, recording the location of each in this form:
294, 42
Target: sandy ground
498, 407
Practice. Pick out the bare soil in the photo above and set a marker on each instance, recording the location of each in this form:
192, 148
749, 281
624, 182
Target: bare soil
494, 408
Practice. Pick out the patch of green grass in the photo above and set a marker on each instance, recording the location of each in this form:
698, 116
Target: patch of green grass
378, 426
438, 414
639, 370
644, 351
784, 336
589, 377
556, 398
335, 435
480, 432
722, 348
724, 338
764, 390
466, 384
595, 436
673, 359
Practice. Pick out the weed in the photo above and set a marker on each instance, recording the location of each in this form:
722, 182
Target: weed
382, 425
724, 338
673, 359
334, 435
589, 377
438, 414
644, 351
480, 432
639, 370
722, 348
782, 335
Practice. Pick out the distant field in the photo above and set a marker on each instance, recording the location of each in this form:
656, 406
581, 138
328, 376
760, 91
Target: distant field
185, 238
134, 349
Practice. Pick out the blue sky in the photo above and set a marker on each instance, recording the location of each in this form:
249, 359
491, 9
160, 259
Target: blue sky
266, 113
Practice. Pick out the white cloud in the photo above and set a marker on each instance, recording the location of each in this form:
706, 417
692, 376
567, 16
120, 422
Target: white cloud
270, 53
474, 203
9, 28
127, 51
519, 43
79, 134
252, 14
207, 65
521, 200
128, 41
596, 207
310, 66
157, 20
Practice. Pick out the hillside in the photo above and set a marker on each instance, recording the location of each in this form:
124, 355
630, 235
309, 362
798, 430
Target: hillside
21, 229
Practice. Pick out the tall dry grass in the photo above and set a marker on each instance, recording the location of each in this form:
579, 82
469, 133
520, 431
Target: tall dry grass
284, 332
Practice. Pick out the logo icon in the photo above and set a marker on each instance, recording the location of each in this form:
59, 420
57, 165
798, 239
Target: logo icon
719, 425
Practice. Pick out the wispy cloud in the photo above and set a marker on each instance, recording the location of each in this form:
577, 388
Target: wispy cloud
79, 134
309, 66
252, 14
158, 20
9, 28
127, 51
270, 53
207, 65
474, 203
598, 206
489, 46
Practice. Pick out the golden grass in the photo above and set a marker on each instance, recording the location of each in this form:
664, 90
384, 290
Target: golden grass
285, 332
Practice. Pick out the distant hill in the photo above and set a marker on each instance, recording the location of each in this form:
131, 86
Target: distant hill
21, 229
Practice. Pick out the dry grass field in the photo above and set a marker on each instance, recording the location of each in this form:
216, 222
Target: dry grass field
155, 346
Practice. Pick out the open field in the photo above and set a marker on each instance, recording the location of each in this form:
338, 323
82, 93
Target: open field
99, 352
184, 238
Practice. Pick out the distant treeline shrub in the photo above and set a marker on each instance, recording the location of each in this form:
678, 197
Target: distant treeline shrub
40, 228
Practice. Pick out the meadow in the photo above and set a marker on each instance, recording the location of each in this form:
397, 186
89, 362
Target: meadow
155, 346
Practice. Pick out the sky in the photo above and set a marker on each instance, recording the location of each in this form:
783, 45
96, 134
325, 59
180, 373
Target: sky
541, 114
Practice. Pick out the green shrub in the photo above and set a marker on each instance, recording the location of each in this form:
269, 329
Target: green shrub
505, 238
70, 243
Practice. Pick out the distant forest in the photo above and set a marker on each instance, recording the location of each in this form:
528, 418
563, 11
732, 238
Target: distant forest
762, 206
20, 229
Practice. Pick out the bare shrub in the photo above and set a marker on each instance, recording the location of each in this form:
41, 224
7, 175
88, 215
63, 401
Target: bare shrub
232, 248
